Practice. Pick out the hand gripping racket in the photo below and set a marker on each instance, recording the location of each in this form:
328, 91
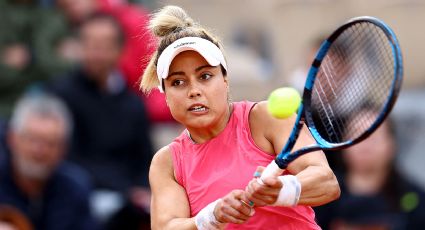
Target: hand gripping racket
350, 89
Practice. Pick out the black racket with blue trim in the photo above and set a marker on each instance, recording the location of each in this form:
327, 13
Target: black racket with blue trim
350, 89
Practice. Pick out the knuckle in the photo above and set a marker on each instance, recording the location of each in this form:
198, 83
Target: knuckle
225, 209
271, 199
219, 216
238, 206
239, 221
257, 189
237, 192
222, 209
233, 193
226, 200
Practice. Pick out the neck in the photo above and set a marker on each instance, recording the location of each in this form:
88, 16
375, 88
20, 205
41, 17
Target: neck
29, 186
201, 135
366, 182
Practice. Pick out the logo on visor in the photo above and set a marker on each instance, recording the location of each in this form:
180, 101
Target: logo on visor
183, 44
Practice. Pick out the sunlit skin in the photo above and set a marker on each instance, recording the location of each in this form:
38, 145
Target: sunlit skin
193, 82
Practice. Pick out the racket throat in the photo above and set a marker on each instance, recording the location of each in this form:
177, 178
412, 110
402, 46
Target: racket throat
284, 159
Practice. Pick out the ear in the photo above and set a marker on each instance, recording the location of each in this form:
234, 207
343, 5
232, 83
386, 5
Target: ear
166, 100
226, 81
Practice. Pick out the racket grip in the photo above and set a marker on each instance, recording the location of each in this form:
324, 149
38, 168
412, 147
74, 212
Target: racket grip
272, 170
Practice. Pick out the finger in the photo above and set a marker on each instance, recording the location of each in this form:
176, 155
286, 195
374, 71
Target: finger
248, 203
253, 196
240, 203
228, 214
263, 200
261, 195
234, 201
272, 182
265, 189
243, 208
223, 216
258, 171
230, 219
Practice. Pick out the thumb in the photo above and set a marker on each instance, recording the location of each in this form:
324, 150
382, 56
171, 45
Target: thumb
259, 171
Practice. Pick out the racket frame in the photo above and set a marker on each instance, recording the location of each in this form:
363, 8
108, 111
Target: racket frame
283, 159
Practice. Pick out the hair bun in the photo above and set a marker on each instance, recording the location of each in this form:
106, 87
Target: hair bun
169, 19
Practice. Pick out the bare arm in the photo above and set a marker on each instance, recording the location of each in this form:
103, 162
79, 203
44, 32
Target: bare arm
318, 183
170, 207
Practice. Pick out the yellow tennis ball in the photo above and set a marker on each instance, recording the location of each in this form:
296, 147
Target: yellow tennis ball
283, 102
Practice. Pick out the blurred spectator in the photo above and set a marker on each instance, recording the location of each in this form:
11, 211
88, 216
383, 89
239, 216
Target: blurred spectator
135, 52
13, 219
52, 193
111, 138
374, 195
17, 66
55, 46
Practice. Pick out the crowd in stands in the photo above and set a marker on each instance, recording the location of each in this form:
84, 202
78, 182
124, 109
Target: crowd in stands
75, 131
75, 144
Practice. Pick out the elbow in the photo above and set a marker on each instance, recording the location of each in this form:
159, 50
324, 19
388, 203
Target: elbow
334, 190
335, 193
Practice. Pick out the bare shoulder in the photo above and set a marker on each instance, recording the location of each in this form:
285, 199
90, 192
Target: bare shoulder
257, 118
268, 131
162, 156
162, 164
261, 119
259, 109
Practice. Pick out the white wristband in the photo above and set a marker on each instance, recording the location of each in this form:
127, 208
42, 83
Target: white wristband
205, 219
290, 192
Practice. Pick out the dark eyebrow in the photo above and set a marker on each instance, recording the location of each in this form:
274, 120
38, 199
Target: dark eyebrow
196, 70
175, 73
204, 66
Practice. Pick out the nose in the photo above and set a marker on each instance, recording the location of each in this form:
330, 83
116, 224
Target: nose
39, 151
194, 90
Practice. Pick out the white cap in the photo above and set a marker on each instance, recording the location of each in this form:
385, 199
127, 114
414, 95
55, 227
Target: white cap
205, 48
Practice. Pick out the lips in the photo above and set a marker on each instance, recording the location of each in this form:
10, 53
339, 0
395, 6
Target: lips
198, 108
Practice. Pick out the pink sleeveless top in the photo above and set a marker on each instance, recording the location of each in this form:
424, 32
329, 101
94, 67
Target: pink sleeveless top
211, 170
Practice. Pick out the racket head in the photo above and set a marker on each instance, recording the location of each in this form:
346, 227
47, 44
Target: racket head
352, 84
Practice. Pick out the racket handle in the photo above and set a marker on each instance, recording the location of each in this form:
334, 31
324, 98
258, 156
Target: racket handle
272, 170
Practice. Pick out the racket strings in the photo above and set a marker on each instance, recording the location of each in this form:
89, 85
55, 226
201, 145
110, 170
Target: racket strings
353, 83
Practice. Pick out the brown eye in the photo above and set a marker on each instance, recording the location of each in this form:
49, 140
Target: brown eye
205, 76
177, 82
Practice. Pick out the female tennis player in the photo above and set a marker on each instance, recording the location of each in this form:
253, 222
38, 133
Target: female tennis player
204, 178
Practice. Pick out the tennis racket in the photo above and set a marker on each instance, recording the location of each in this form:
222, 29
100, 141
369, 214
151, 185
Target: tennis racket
351, 87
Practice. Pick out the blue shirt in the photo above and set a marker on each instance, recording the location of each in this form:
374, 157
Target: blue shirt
63, 205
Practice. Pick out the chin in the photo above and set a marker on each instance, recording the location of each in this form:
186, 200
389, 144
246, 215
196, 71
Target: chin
199, 122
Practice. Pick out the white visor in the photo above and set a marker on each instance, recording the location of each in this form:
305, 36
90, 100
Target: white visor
205, 48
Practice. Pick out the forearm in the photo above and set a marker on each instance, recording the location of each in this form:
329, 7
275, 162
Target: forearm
176, 223
318, 186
